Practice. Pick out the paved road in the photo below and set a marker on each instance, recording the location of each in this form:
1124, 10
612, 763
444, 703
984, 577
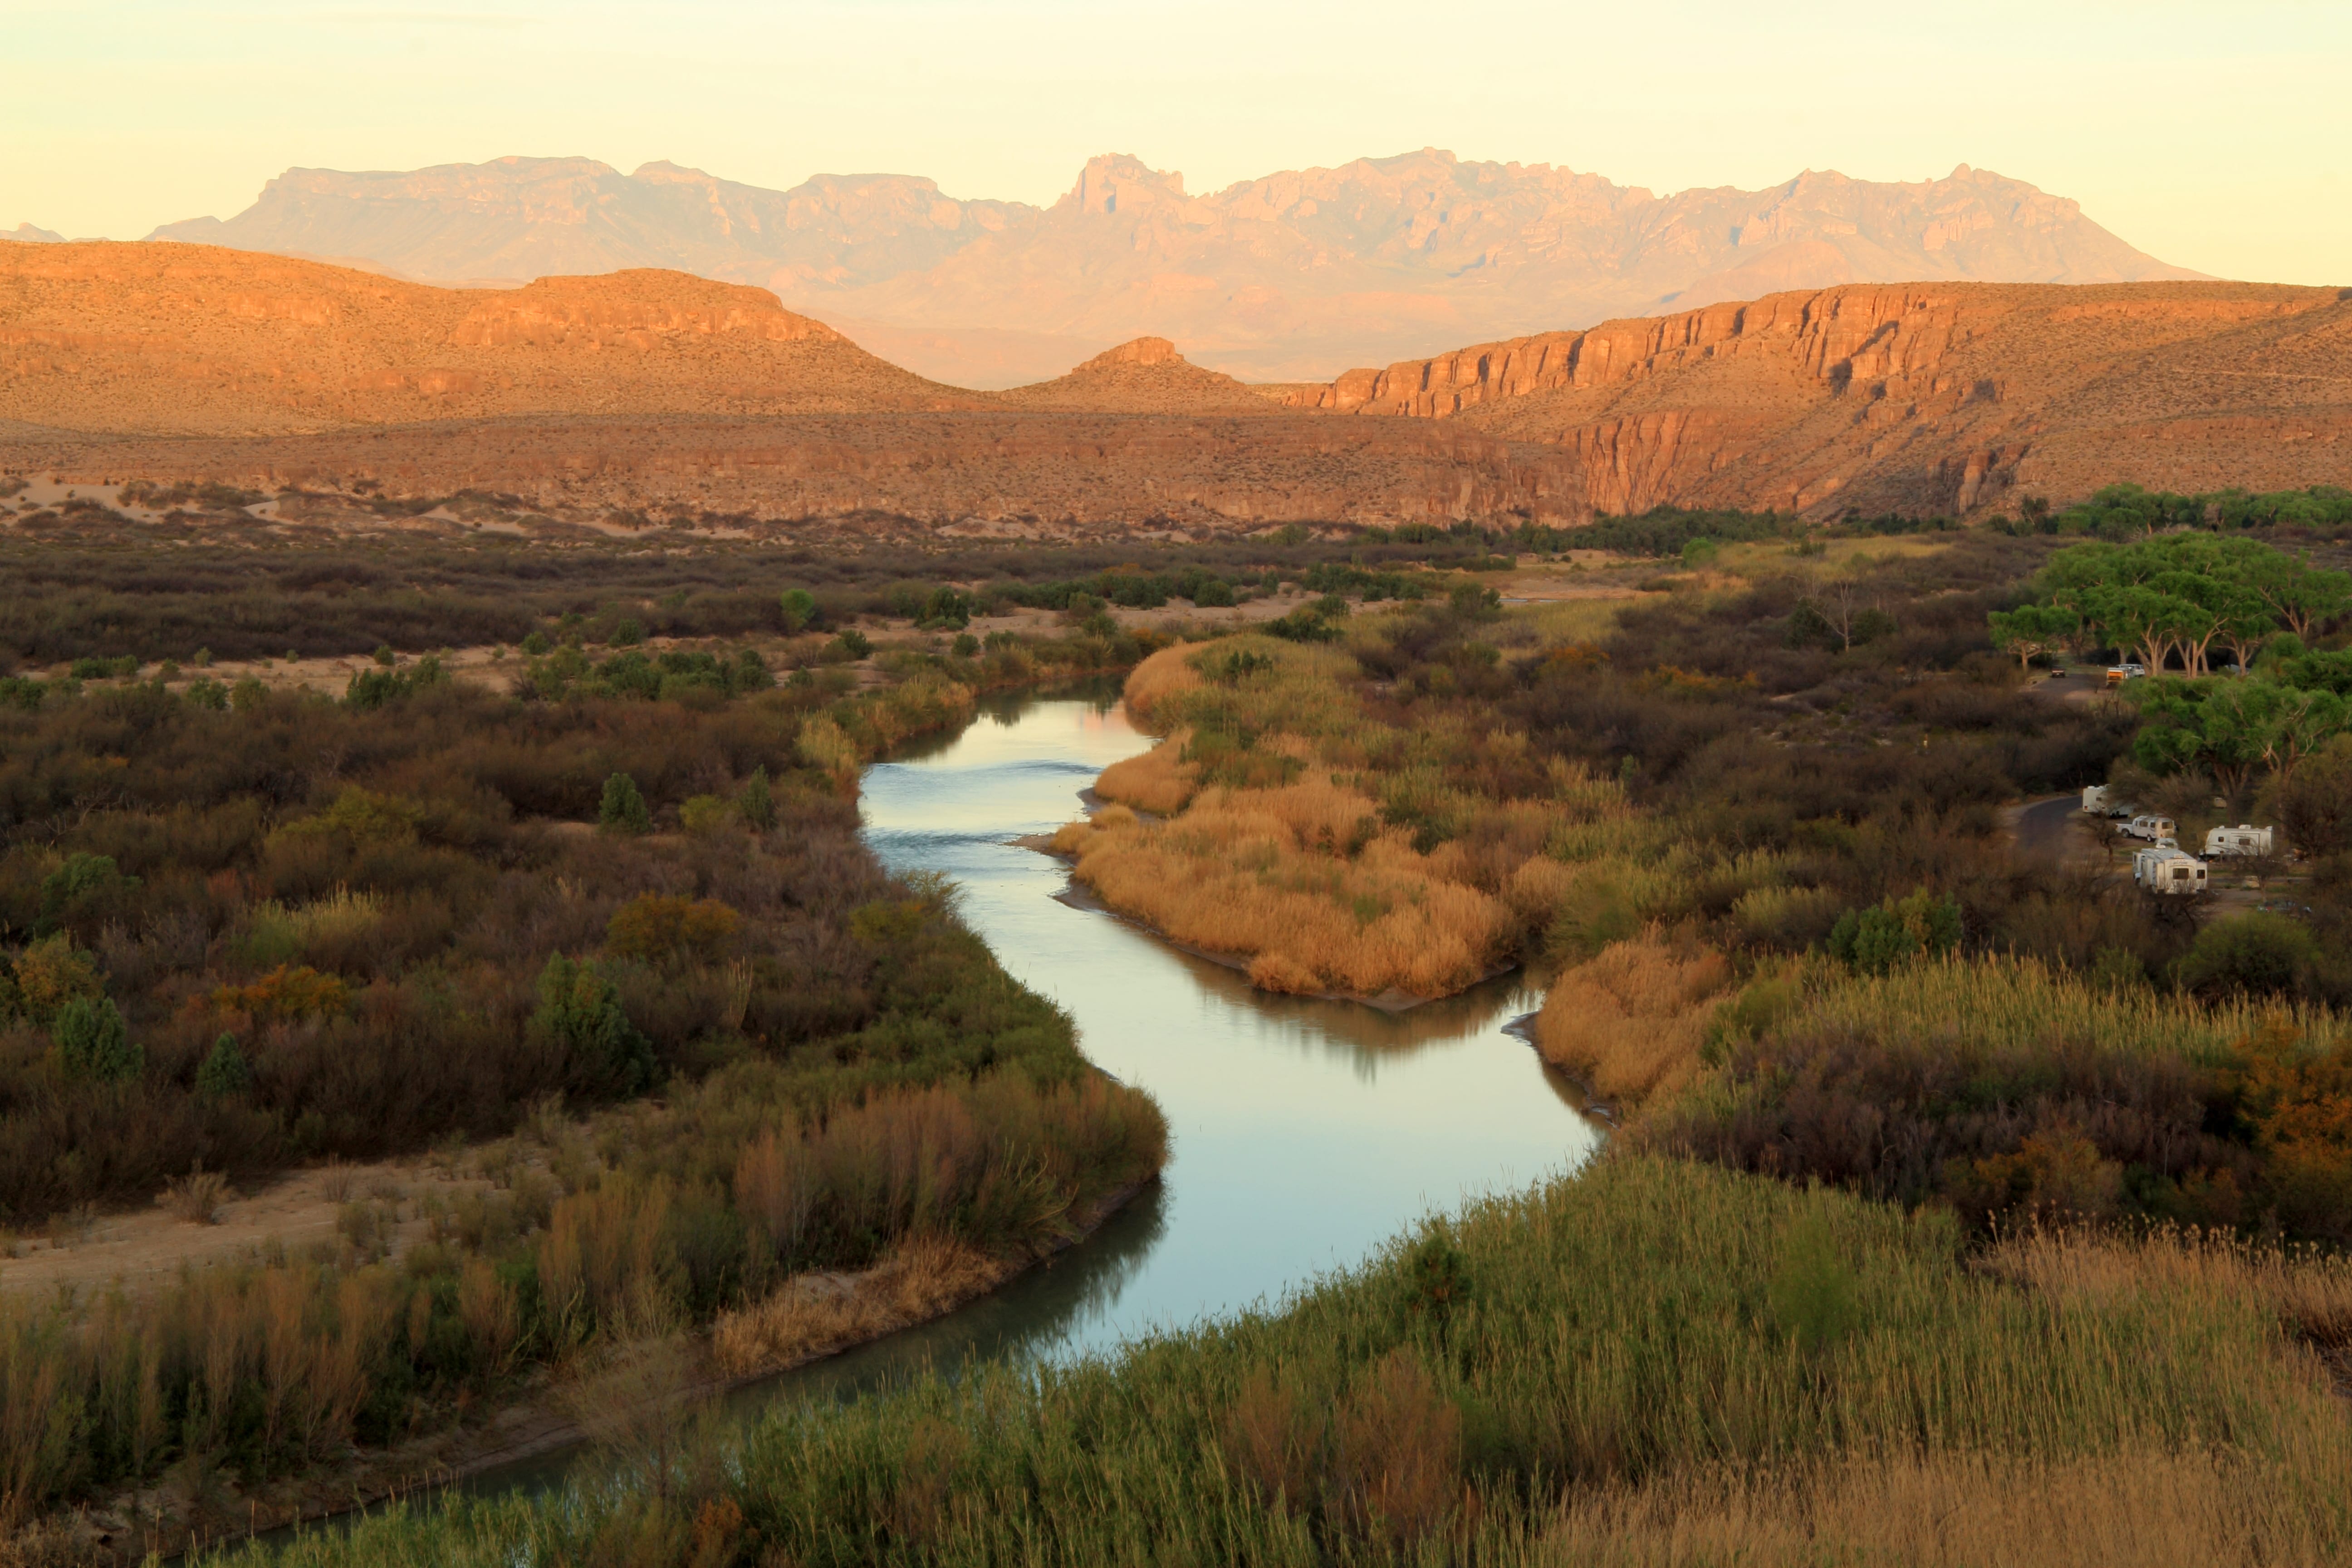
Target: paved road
2044, 829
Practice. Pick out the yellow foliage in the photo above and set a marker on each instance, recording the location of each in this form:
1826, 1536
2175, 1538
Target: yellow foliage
1632, 1020
653, 927
1269, 874
1168, 673
1157, 781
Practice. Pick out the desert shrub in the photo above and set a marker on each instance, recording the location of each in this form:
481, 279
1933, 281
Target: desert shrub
580, 1009
623, 808
92, 1041
1875, 941
224, 1072
2257, 954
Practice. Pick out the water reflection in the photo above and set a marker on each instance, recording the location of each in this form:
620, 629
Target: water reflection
1305, 1133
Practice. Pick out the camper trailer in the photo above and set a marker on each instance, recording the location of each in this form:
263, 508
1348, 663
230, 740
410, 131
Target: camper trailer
2148, 825
2243, 839
2163, 869
2100, 801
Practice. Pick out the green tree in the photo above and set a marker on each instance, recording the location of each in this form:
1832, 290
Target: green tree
2032, 630
623, 810
224, 1074
92, 1041
580, 1008
799, 607
757, 800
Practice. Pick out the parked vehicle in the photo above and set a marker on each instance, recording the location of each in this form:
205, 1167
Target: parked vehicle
2243, 839
2147, 825
2117, 674
2163, 869
2100, 801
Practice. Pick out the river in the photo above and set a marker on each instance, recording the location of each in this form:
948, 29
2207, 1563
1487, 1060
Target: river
1305, 1133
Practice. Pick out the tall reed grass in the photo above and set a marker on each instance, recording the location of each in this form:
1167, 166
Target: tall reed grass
1635, 1366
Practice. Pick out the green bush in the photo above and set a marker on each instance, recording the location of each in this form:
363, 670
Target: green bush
580, 1008
224, 1074
622, 809
2254, 954
799, 607
756, 801
92, 1042
1875, 941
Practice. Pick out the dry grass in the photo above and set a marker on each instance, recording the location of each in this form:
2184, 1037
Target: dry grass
197, 1197
816, 1314
1997, 1002
1269, 874
1166, 674
2309, 1293
1158, 781
1630, 1022
2151, 1509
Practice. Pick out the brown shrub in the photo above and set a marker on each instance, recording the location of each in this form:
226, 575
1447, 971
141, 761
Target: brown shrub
1274, 1439
1631, 1021
1397, 1452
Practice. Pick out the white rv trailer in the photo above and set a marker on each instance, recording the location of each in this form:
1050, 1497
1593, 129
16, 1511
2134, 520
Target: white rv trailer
2147, 825
2163, 869
2100, 801
2243, 839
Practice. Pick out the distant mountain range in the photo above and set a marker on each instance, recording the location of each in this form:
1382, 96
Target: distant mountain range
1296, 276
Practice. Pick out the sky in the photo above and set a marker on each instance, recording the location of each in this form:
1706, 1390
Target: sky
2214, 136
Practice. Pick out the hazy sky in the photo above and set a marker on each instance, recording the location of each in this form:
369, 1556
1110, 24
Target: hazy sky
2213, 135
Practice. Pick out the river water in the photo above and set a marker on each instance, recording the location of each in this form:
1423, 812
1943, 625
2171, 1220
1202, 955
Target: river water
1305, 1133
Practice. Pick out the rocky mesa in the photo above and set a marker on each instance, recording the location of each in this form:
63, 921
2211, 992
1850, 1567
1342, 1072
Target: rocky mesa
1949, 398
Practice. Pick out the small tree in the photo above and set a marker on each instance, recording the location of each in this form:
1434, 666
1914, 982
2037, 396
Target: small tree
224, 1074
92, 1042
623, 809
799, 607
757, 801
580, 1008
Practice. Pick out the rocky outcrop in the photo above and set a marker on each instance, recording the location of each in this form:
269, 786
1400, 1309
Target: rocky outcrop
1144, 377
1282, 277
1913, 397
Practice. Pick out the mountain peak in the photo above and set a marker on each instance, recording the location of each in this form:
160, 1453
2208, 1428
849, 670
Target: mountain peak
1116, 182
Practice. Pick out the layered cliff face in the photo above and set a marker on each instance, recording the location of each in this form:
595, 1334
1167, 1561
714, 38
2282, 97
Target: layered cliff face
1281, 277
1916, 397
195, 339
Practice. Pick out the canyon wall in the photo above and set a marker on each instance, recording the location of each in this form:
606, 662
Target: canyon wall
1918, 397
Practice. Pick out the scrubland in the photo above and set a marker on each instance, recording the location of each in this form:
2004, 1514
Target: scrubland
1960, 1215
611, 947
